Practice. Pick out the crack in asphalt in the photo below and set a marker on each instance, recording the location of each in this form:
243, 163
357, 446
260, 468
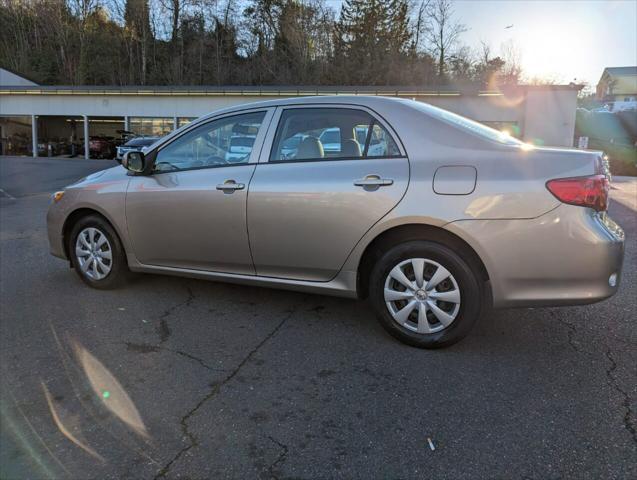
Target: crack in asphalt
163, 330
214, 390
612, 381
196, 359
626, 401
144, 348
570, 334
280, 459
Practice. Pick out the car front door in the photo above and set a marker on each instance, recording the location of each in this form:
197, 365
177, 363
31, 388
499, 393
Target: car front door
191, 211
308, 206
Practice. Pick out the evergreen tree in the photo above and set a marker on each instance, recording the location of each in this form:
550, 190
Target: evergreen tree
371, 36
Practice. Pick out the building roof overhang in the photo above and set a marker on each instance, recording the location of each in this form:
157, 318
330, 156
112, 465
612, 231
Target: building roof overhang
279, 91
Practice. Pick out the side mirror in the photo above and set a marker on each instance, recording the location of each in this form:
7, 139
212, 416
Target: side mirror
134, 161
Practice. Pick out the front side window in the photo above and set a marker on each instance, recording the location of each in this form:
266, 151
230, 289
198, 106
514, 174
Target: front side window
224, 142
330, 134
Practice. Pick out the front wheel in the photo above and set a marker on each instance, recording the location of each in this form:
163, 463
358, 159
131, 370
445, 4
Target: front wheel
96, 253
425, 294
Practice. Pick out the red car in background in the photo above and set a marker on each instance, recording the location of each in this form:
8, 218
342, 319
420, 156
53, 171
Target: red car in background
102, 147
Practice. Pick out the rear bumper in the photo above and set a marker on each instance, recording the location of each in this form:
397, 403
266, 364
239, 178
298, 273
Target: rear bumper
569, 256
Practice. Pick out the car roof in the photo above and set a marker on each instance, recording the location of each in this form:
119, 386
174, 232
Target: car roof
370, 101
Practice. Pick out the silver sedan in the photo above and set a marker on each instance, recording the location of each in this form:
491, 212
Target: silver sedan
433, 217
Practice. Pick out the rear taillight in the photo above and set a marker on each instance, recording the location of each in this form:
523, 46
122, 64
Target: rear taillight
582, 191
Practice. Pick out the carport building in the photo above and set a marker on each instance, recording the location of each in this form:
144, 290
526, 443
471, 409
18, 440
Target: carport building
51, 120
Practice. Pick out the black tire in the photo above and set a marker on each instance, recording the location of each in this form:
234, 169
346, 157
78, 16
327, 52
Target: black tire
469, 284
118, 266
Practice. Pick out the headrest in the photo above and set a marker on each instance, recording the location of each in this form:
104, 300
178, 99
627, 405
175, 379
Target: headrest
310, 147
350, 148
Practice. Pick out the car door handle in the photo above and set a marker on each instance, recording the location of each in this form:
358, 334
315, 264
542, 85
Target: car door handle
230, 186
373, 181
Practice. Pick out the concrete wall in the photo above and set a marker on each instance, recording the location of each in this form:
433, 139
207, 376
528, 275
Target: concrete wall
549, 117
119, 105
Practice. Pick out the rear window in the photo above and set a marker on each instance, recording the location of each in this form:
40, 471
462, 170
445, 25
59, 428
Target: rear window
466, 124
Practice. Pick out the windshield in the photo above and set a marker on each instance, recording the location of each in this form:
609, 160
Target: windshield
242, 142
467, 124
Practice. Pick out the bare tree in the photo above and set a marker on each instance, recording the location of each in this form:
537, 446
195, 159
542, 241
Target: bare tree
82, 9
421, 24
485, 52
445, 31
511, 56
181, 42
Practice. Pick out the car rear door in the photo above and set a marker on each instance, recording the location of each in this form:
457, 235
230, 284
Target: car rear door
191, 211
306, 214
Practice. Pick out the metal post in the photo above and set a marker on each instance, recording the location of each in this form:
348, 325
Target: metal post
127, 123
86, 150
175, 121
34, 134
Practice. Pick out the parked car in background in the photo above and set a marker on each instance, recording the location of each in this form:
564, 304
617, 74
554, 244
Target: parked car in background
446, 220
629, 104
331, 140
239, 148
102, 147
49, 148
135, 143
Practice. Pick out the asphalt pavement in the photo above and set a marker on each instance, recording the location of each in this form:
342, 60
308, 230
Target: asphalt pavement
179, 378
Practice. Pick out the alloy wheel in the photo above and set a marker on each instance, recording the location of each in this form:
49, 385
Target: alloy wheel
422, 295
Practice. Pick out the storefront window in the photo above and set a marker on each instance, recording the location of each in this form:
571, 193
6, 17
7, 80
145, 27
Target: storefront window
149, 126
181, 121
15, 136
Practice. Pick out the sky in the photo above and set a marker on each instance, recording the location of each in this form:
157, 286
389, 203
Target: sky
562, 40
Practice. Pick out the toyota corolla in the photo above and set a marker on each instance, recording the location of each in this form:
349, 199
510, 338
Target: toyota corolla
443, 219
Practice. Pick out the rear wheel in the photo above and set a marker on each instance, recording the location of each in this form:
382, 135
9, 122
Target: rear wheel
96, 253
425, 294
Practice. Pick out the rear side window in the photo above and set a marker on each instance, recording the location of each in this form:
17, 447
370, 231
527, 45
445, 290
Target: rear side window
307, 134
